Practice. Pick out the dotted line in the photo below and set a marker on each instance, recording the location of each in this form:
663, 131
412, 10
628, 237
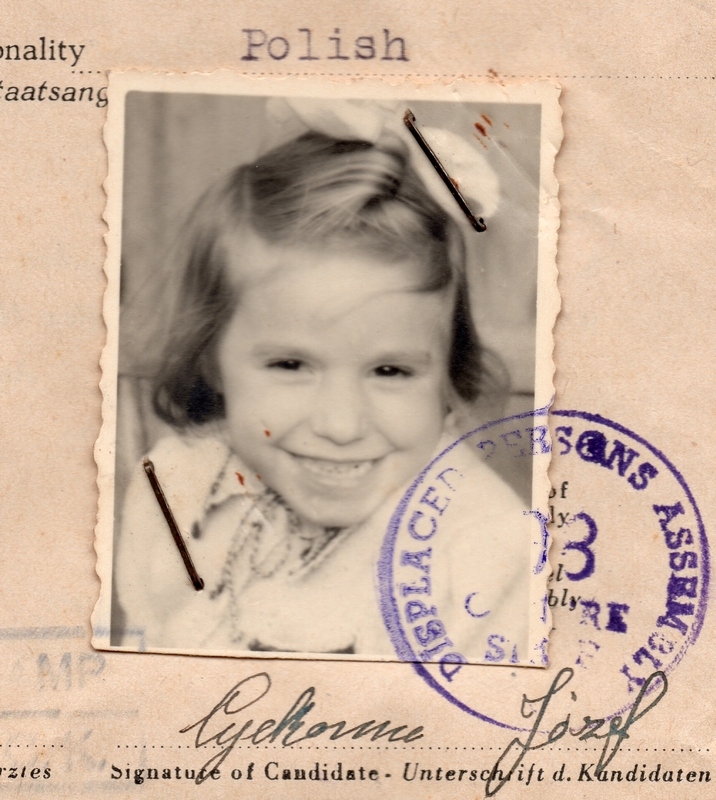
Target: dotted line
464, 75
397, 747
493, 77
612, 77
377, 747
619, 77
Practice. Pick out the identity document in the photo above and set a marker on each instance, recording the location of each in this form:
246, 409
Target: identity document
356, 380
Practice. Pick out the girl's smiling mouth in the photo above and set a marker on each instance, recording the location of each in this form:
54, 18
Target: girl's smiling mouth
334, 471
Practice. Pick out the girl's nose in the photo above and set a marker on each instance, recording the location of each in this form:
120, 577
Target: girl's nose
339, 411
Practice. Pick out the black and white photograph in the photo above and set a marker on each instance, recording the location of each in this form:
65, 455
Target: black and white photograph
312, 295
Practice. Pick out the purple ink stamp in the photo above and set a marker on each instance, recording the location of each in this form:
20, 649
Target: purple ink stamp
629, 563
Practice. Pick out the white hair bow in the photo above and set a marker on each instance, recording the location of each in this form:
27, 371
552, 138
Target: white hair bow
371, 120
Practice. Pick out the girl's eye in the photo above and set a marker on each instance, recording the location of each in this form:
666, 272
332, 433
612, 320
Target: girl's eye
389, 371
291, 364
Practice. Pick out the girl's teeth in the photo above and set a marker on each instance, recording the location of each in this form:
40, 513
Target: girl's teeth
339, 469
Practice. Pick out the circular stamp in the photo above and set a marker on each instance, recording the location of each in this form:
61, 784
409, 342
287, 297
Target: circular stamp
624, 592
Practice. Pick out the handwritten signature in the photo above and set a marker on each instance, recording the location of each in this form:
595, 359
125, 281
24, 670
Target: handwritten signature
612, 731
213, 729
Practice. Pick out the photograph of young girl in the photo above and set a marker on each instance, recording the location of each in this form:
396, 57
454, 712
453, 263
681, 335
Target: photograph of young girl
308, 318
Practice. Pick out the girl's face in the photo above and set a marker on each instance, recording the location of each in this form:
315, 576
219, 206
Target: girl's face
334, 374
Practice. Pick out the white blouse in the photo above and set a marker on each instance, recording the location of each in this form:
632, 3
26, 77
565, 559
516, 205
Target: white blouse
273, 582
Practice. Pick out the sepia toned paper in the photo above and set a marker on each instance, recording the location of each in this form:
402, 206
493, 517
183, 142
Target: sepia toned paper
625, 707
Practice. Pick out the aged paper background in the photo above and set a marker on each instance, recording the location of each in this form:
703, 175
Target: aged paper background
634, 343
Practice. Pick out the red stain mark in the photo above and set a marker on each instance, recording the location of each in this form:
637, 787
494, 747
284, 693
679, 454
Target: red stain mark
454, 183
506, 125
481, 128
268, 433
258, 477
241, 478
494, 76
487, 119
